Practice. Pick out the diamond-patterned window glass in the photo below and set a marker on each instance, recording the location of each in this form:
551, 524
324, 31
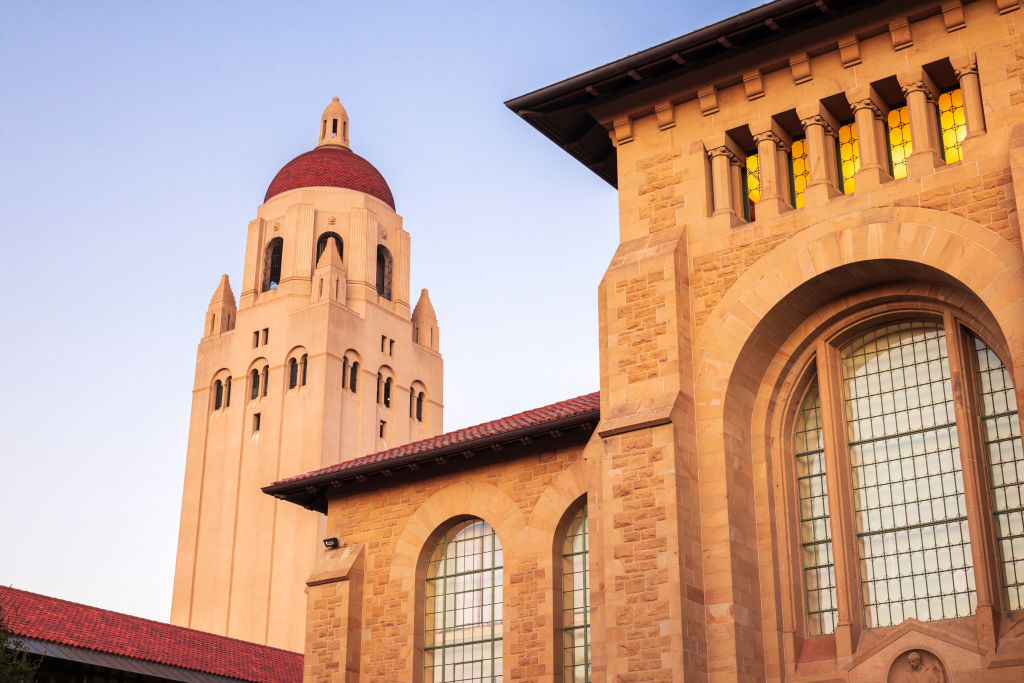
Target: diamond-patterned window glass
752, 169
462, 632
849, 156
576, 601
900, 143
815, 528
800, 171
952, 124
908, 492
1000, 427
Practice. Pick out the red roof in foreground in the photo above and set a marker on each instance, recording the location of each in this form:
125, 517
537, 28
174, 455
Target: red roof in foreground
331, 167
530, 418
31, 615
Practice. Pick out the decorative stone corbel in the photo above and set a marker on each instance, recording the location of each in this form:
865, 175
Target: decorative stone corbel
953, 15
708, 97
849, 51
1007, 6
800, 66
664, 114
753, 84
899, 32
623, 127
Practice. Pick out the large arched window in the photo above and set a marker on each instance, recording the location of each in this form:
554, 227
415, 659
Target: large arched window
383, 272
894, 444
462, 627
576, 600
272, 264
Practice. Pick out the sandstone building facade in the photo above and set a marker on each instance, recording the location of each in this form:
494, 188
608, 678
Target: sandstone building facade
320, 361
804, 462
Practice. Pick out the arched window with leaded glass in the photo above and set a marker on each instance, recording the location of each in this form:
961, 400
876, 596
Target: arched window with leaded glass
462, 626
575, 646
901, 441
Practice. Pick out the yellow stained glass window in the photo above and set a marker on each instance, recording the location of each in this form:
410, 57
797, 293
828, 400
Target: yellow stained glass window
900, 144
800, 171
849, 156
753, 171
952, 124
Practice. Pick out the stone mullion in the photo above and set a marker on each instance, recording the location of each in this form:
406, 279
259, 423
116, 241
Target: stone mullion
820, 131
773, 169
966, 70
869, 116
921, 95
849, 610
988, 585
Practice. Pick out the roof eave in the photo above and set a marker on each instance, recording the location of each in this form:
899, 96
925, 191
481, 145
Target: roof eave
311, 492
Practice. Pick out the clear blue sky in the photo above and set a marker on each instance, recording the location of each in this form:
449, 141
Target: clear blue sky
137, 140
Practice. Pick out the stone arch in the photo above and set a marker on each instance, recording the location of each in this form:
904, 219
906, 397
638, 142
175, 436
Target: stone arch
744, 334
554, 503
457, 501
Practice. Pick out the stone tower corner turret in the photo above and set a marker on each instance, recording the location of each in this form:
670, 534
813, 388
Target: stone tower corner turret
220, 316
424, 323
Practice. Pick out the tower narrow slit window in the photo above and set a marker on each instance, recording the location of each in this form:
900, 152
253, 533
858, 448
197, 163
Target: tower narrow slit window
462, 626
353, 376
380, 385
800, 171
952, 124
272, 264
576, 599
293, 373
254, 382
412, 401
815, 526
384, 267
387, 393
900, 146
303, 365
266, 378
218, 394
848, 156
227, 392
910, 512
1000, 430
344, 372
419, 407
751, 186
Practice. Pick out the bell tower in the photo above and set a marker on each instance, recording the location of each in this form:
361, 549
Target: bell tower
321, 362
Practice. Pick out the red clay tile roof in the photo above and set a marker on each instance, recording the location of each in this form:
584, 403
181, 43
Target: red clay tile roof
530, 418
331, 167
40, 617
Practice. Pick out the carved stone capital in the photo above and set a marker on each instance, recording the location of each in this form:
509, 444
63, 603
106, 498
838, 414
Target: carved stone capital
724, 151
818, 120
918, 86
769, 135
966, 69
867, 103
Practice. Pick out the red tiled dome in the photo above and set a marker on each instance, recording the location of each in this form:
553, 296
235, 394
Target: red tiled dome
331, 167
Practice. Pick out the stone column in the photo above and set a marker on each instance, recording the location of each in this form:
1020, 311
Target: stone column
820, 128
965, 67
723, 156
921, 94
869, 112
772, 145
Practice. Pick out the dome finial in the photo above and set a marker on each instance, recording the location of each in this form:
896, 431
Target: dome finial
333, 126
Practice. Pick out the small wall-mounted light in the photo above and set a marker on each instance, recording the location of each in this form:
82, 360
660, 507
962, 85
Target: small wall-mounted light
330, 543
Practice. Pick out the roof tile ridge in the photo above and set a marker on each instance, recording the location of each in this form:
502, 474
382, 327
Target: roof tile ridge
163, 624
